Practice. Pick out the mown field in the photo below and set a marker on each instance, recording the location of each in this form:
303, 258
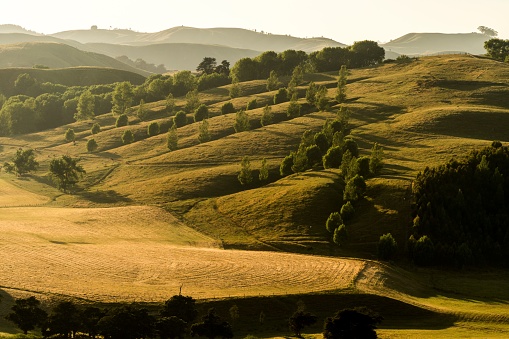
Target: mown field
145, 220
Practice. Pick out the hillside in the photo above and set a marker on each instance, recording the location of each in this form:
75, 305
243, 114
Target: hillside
434, 43
56, 55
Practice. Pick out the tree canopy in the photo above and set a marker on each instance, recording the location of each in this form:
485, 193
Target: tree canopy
66, 172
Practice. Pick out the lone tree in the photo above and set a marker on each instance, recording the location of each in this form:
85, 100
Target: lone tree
70, 136
212, 326
273, 82
96, 128
376, 159
203, 134
172, 138
153, 129
299, 320
487, 31
142, 112
359, 322
27, 314
264, 171
267, 116
227, 108
22, 163
241, 121
387, 247
66, 172
245, 175
127, 137
201, 113
86, 106
170, 103
180, 119
192, 101
91, 145
180, 306
122, 120
341, 91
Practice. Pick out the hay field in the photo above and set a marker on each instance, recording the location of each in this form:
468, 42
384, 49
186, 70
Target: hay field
11, 195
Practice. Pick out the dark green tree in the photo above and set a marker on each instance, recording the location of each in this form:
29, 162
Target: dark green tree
321, 99
311, 93
341, 90
227, 108
281, 96
180, 119
142, 112
424, 251
192, 101
22, 163
387, 247
86, 106
90, 317
66, 172
127, 137
273, 82
207, 66
91, 145
212, 326
172, 138
64, 320
299, 320
122, 97
286, 166
241, 122
264, 171
180, 306
70, 136
27, 314
170, 103
333, 221
201, 113
497, 49
245, 175
340, 235
359, 322
332, 159
235, 90
153, 129
293, 110
376, 159
347, 211
267, 116
252, 105
203, 131
96, 128
171, 327
122, 120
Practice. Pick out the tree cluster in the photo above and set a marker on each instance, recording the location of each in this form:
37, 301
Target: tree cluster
461, 210
497, 49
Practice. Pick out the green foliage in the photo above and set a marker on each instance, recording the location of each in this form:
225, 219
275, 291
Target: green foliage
192, 101
301, 319
172, 138
351, 146
212, 326
23, 162
332, 159
142, 112
122, 120
127, 137
273, 82
183, 82
362, 166
170, 103
321, 99
341, 90
497, 49
244, 70
122, 97
264, 171
86, 106
203, 133
180, 119
340, 236
376, 159
27, 314
252, 105
227, 108
322, 142
330, 58
69, 135
96, 128
241, 122
207, 66
354, 189
293, 110
180, 306
267, 116
91, 145
387, 247
424, 251
285, 168
66, 172
333, 221
296, 80
201, 113
313, 155
281, 96
171, 327
245, 175
311, 93
366, 53
64, 320
359, 322
347, 211
153, 129
235, 90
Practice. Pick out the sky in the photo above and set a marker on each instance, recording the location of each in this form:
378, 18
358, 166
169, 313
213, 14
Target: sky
343, 21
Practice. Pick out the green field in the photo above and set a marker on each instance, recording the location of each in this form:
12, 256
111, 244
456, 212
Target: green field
145, 220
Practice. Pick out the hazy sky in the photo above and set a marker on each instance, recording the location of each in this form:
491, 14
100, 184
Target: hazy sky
343, 21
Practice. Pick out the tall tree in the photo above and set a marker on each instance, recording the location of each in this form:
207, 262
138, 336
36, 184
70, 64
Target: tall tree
207, 66
86, 106
241, 122
70, 136
180, 306
301, 319
267, 116
341, 90
203, 134
273, 82
245, 175
497, 49
264, 171
142, 112
66, 172
27, 314
122, 97
192, 101
172, 138
487, 31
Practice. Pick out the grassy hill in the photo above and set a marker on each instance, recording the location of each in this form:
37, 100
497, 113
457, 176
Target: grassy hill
56, 55
423, 113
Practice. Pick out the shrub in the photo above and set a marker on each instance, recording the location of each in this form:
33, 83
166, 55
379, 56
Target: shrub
127, 137
286, 166
347, 211
387, 247
251, 105
340, 235
333, 222
281, 96
180, 119
91, 145
332, 159
293, 110
122, 120
153, 129
96, 128
227, 108
354, 189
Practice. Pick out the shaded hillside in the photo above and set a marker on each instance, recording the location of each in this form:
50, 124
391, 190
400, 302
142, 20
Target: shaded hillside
232, 37
175, 56
16, 38
74, 76
432, 43
56, 55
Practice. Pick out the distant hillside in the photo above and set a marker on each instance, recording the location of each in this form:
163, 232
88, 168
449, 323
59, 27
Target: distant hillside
177, 56
432, 43
75, 76
55, 55
232, 37
7, 28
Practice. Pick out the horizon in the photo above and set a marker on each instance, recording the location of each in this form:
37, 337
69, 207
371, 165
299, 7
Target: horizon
378, 22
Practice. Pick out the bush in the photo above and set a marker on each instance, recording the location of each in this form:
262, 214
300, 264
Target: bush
340, 235
281, 96
227, 108
122, 120
153, 129
347, 211
354, 189
91, 145
180, 119
333, 222
202, 112
127, 137
251, 105
387, 247
293, 110
424, 251
332, 159
286, 166
96, 128
207, 81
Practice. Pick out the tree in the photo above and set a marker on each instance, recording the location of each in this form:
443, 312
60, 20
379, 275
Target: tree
201, 113
273, 82
192, 101
64, 320
296, 80
86, 106
90, 317
387, 247
241, 122
23, 162
354, 189
340, 235
142, 112
127, 137
376, 159
424, 251
27, 314
180, 119
70, 136
122, 97
281, 96
127, 322
234, 313
171, 327
311, 93
244, 70
235, 90
245, 175
359, 322
96, 128
264, 171
293, 109
347, 211
333, 221
66, 172
122, 120
366, 53
180, 306
286, 166
224, 68
91, 145
172, 138
204, 135
321, 99
207, 66
153, 129
227, 108
332, 159
252, 104
170, 103
497, 49
301, 319
212, 326
267, 116
341, 91
487, 31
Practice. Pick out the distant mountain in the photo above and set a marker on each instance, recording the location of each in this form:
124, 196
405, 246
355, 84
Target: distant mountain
15, 29
56, 55
231, 37
433, 43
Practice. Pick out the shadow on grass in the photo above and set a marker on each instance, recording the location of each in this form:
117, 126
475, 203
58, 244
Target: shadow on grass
104, 197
